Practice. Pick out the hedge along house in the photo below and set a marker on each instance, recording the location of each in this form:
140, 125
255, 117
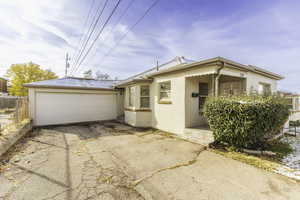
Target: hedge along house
169, 97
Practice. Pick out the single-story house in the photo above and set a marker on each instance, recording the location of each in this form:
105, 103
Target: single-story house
169, 97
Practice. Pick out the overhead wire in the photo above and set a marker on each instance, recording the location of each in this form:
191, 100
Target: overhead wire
99, 34
132, 27
76, 52
93, 28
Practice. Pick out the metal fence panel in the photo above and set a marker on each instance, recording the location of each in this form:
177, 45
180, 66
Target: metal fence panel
13, 110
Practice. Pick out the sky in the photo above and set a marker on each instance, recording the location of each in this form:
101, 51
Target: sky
264, 33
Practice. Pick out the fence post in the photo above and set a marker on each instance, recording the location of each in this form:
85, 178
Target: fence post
17, 111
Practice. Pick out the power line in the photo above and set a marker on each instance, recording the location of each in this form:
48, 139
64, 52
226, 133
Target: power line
132, 27
97, 37
84, 28
89, 36
117, 22
121, 16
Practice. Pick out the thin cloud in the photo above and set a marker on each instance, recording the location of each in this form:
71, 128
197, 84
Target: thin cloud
259, 33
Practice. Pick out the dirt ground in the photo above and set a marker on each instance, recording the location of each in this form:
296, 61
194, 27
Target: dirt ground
114, 161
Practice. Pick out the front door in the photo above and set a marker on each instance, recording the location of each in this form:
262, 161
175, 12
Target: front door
203, 94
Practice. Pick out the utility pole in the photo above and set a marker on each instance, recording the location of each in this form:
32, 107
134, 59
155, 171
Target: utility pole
67, 64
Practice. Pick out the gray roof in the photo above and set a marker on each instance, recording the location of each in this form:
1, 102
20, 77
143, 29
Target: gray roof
178, 60
73, 82
230, 62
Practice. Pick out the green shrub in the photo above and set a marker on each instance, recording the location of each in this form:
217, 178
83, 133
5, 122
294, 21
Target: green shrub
246, 121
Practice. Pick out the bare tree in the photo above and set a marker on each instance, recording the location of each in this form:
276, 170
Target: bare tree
88, 74
102, 76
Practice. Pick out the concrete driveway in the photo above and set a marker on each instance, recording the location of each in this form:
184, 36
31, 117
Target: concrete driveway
114, 161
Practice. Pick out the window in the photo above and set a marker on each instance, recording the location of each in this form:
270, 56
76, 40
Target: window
231, 88
165, 91
131, 96
203, 94
297, 104
145, 96
264, 89
290, 103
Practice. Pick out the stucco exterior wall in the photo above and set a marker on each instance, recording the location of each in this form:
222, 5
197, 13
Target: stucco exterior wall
254, 79
138, 119
135, 115
169, 117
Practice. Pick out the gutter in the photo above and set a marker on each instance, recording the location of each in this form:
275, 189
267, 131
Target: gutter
68, 87
218, 77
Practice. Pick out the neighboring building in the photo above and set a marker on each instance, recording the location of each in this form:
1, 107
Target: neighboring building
294, 103
3, 86
293, 100
169, 97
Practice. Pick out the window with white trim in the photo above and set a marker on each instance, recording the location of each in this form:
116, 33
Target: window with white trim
264, 88
145, 96
165, 91
131, 96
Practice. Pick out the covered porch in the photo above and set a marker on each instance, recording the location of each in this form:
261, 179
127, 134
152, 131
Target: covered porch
198, 89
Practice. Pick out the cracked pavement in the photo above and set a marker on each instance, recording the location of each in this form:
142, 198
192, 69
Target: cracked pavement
114, 161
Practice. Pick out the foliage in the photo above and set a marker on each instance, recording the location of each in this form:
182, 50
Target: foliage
249, 159
102, 76
281, 148
88, 74
246, 121
295, 123
98, 75
20, 74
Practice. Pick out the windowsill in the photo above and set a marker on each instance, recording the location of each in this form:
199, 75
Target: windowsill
164, 102
138, 110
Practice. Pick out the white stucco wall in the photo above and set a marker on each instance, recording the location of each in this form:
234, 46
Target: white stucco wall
254, 79
138, 119
169, 117
135, 115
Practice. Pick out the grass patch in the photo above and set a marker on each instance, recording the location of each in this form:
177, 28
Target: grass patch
269, 163
281, 148
248, 159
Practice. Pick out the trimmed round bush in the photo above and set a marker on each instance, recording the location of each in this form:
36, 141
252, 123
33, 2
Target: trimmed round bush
246, 121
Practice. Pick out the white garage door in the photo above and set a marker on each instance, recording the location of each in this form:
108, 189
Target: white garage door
62, 108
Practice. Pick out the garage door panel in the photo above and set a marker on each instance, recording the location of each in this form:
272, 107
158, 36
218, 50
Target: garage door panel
61, 108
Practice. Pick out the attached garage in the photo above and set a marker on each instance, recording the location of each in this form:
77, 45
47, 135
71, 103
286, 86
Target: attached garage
54, 102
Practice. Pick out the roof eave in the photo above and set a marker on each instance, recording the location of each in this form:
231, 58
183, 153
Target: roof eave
134, 81
220, 59
67, 87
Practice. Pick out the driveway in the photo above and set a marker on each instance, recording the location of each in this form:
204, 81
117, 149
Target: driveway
114, 161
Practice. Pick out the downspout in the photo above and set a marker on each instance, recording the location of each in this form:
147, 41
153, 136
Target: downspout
218, 77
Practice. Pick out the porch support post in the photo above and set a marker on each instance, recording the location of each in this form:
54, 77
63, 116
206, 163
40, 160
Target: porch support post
217, 79
217, 86
213, 85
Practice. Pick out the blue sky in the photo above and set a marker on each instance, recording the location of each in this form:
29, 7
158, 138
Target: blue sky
265, 33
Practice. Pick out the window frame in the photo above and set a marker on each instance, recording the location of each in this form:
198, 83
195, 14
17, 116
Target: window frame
264, 85
130, 96
164, 100
145, 96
